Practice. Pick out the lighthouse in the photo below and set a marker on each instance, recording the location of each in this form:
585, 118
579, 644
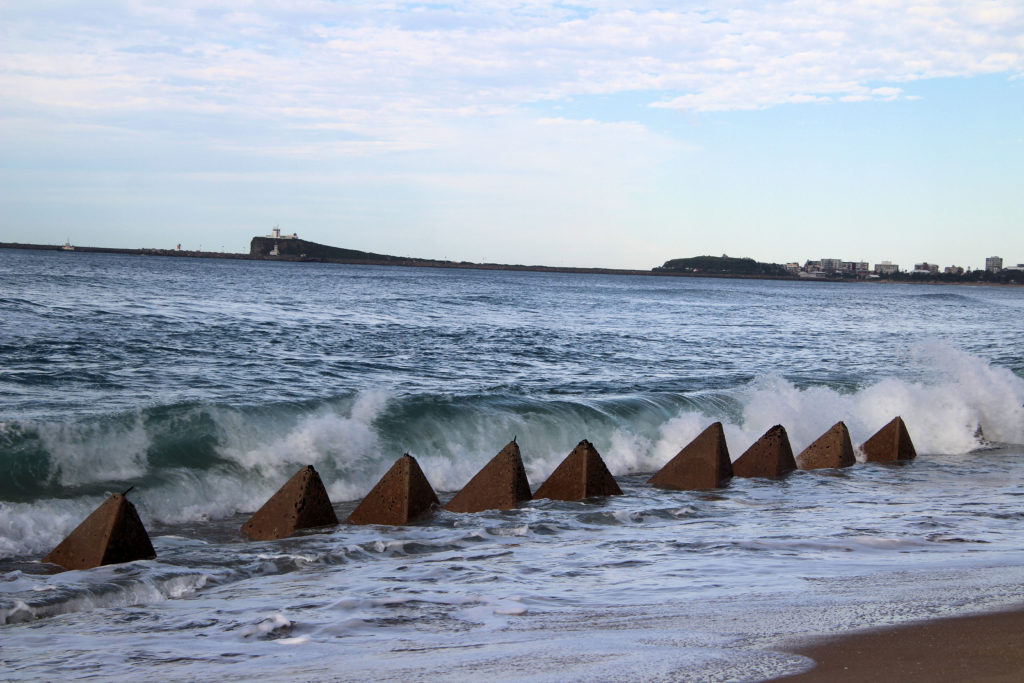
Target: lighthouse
275, 233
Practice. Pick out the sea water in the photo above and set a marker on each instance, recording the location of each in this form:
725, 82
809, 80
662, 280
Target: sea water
205, 384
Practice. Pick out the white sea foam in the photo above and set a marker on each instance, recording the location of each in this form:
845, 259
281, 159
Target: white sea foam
962, 392
326, 435
190, 496
341, 442
37, 528
100, 588
269, 626
82, 453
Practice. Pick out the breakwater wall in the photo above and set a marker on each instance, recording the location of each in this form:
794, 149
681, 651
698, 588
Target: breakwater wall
113, 533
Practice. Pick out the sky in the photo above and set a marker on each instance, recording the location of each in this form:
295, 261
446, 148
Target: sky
605, 133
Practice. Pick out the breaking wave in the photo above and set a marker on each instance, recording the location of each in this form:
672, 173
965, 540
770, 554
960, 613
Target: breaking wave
195, 462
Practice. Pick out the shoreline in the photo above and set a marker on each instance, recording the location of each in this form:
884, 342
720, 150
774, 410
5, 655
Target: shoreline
411, 262
985, 647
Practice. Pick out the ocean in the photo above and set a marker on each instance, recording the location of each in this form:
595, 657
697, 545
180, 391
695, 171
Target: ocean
205, 384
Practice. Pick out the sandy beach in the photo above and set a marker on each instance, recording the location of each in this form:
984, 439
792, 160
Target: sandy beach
983, 648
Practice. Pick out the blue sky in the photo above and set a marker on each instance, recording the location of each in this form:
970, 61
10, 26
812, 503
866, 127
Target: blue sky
616, 134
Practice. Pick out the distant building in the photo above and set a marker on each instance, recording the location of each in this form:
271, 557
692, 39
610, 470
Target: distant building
859, 268
831, 265
812, 266
925, 267
954, 270
275, 233
994, 264
1019, 266
793, 267
886, 268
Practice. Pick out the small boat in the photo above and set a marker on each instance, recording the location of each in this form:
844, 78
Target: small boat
67, 246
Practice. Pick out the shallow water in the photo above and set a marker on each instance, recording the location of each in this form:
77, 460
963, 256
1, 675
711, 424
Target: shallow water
206, 384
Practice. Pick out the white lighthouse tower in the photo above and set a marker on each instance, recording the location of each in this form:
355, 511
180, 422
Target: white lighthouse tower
275, 234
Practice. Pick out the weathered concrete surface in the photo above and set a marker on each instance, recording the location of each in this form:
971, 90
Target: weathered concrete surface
112, 534
500, 485
703, 464
891, 442
302, 503
401, 495
582, 474
769, 456
831, 449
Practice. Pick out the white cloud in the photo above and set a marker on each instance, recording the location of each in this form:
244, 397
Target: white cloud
387, 71
887, 93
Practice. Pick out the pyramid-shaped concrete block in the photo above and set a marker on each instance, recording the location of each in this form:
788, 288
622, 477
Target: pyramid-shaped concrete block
582, 474
831, 449
401, 495
112, 534
890, 443
769, 456
500, 485
302, 503
703, 464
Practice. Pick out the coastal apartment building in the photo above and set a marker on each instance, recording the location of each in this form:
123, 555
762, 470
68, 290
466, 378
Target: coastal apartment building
855, 267
994, 264
886, 268
831, 265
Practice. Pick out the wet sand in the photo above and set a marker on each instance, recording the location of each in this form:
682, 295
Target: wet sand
985, 648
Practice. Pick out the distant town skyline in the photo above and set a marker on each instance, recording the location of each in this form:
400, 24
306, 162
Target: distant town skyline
993, 264
613, 134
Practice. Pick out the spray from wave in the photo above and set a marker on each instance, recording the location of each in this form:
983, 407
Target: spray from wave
195, 462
